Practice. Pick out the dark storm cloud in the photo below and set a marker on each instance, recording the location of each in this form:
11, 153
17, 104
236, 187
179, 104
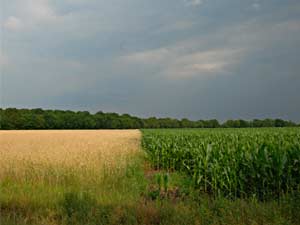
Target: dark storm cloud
184, 58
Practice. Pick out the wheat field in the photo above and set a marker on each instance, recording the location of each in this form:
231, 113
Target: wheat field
40, 169
82, 150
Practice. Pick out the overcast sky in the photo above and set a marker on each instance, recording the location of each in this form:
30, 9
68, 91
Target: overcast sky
200, 59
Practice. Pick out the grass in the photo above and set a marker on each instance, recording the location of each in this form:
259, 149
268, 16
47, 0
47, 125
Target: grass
127, 190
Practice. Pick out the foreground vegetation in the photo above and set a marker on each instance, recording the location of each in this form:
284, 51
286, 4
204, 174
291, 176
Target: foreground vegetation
26, 119
133, 188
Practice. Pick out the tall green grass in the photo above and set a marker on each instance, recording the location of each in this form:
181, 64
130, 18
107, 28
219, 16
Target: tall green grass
69, 196
262, 163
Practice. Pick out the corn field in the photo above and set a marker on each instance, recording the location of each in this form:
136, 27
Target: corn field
262, 163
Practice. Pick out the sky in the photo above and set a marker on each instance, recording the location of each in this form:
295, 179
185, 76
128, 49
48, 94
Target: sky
197, 59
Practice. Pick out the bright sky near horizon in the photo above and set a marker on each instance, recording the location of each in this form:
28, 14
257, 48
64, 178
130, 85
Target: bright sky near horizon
201, 59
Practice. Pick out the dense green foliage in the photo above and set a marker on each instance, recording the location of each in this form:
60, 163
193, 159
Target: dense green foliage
12, 118
231, 162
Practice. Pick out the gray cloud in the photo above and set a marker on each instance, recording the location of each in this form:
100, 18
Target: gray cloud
198, 59
193, 2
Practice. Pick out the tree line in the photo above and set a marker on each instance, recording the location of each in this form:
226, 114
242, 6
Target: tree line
19, 119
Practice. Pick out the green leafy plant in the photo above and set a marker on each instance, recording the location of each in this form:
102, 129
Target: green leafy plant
229, 162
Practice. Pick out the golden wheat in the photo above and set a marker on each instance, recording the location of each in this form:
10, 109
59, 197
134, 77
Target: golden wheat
24, 153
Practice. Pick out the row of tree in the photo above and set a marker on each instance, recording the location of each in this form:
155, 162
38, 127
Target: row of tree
12, 118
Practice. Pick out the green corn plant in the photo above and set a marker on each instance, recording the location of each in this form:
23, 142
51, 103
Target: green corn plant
230, 162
